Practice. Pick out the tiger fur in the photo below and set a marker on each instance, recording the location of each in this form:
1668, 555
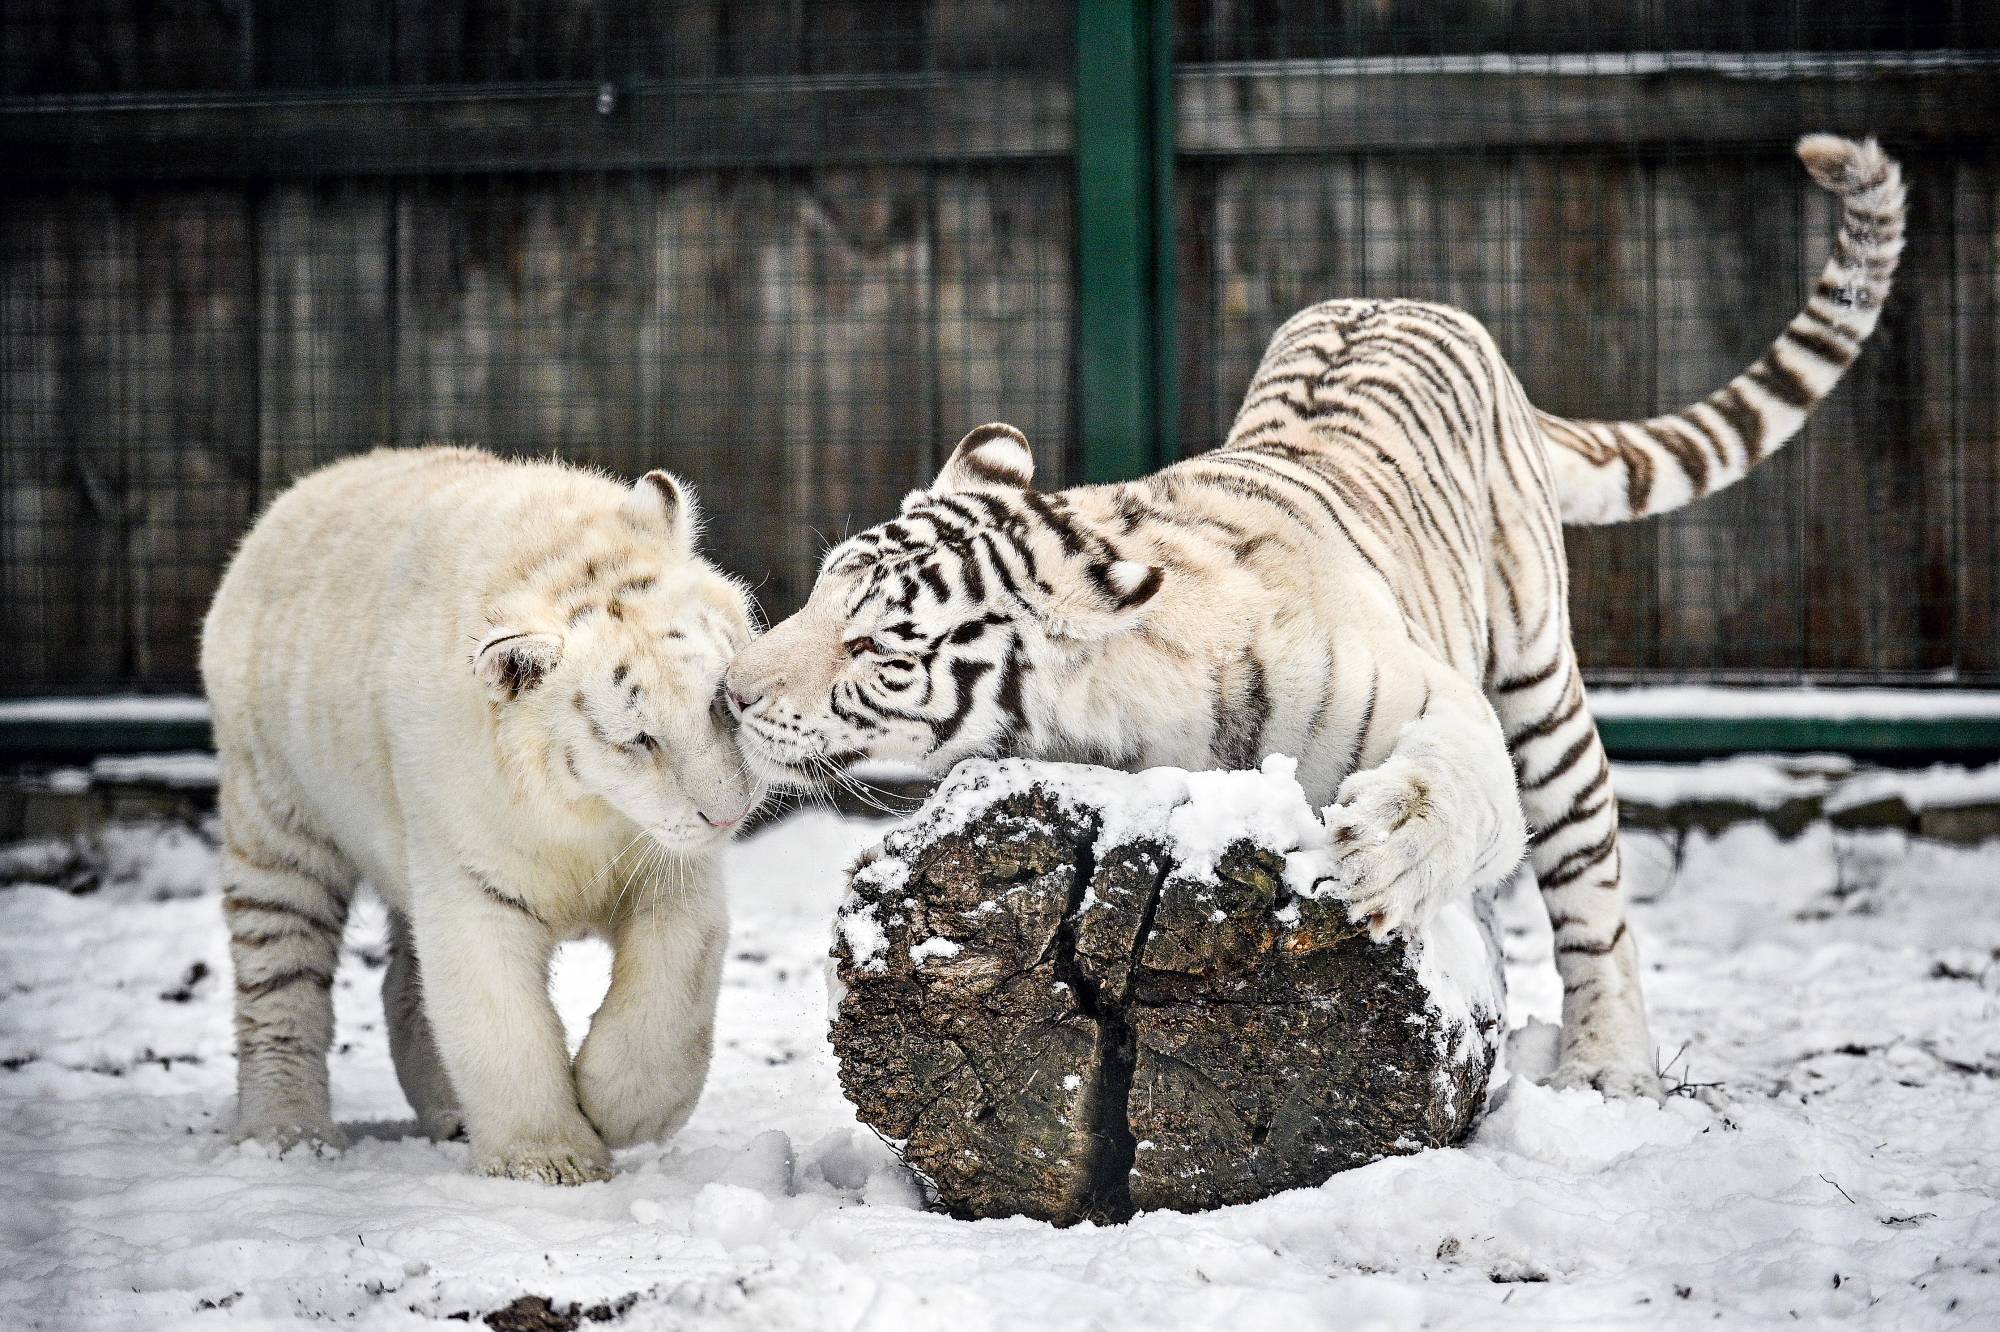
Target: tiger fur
1368, 576
487, 689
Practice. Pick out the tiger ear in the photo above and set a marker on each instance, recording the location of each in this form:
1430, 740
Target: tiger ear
512, 661
1111, 598
992, 457
658, 503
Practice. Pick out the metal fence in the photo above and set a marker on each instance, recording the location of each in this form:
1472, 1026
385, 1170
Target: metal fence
1612, 189
794, 250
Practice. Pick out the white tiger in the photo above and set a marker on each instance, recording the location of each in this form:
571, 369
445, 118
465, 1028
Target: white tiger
487, 689
1368, 576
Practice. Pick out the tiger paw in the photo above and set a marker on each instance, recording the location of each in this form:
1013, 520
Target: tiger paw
1613, 1081
572, 1159
1395, 855
316, 1138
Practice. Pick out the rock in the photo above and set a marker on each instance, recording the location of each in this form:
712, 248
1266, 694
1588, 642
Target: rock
1073, 994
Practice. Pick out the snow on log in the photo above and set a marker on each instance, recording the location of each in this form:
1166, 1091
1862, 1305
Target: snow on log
1071, 993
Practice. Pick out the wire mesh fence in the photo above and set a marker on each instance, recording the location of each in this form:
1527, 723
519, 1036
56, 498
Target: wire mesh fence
783, 250
1611, 189
793, 251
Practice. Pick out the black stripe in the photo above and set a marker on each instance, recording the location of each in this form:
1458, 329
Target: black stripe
1514, 684
1050, 511
989, 543
1581, 807
1240, 718
1577, 863
1782, 382
260, 940
233, 901
500, 895
1563, 764
1551, 721
272, 984
965, 674
1836, 293
975, 582
1693, 459
1831, 350
1367, 722
1743, 418
860, 721
1593, 950
1009, 696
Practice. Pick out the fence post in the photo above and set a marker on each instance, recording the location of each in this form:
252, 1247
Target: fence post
1124, 162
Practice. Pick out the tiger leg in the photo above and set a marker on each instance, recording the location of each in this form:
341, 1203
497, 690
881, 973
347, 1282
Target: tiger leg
1566, 791
412, 1044
485, 955
285, 897
1438, 814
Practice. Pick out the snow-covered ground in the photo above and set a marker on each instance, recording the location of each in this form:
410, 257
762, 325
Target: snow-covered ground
1835, 997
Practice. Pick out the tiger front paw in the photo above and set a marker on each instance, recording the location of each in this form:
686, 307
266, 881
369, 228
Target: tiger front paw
317, 1137
1395, 853
566, 1158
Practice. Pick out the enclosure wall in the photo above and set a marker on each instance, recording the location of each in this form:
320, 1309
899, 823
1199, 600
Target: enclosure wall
1611, 188
794, 251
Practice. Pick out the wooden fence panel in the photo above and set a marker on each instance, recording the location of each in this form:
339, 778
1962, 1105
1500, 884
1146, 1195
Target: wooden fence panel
1620, 285
327, 348
1588, 264
1973, 403
130, 449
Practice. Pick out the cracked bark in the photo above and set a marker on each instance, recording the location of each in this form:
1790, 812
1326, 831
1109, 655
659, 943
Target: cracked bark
1113, 1035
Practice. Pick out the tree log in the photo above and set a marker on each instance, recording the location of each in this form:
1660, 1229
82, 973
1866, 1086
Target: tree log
1073, 994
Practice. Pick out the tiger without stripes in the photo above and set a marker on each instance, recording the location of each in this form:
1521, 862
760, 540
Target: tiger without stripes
1368, 576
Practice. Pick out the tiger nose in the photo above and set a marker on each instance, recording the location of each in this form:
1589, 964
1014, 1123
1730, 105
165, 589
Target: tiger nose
714, 822
740, 695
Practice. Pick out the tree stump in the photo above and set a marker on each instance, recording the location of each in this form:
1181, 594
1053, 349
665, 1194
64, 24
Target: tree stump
1069, 993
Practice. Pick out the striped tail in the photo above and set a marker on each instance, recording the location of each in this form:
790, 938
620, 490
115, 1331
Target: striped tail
1613, 471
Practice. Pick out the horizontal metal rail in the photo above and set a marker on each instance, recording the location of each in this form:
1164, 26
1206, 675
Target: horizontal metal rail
1377, 105
424, 130
1963, 738
1394, 105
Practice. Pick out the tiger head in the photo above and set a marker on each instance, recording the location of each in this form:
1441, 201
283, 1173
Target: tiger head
933, 637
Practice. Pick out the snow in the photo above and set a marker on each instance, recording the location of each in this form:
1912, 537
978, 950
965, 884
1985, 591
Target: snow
1758, 780
1765, 781
107, 708
863, 934
938, 946
191, 770
1944, 786
1841, 988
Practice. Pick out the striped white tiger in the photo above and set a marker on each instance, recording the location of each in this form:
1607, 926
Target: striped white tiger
487, 689
1368, 575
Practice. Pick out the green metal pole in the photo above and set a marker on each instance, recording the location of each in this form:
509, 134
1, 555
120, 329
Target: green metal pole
1166, 314
1117, 341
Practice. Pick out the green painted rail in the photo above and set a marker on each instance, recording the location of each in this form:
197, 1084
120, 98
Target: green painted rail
1961, 738
1902, 737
